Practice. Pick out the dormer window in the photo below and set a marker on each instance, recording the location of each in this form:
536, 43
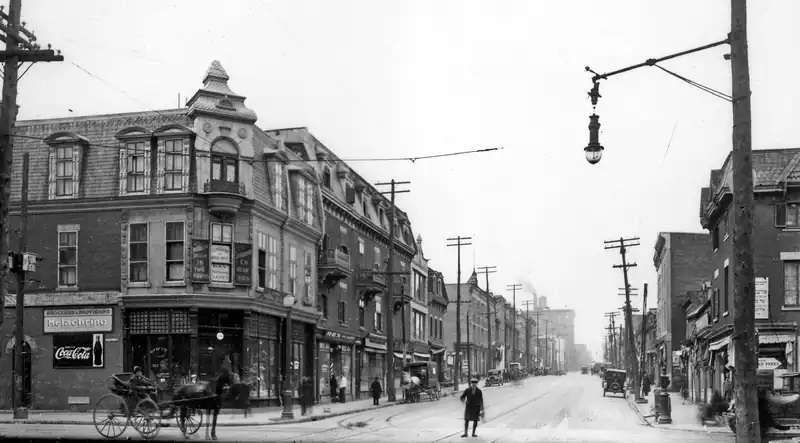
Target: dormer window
326, 177
138, 160
224, 162
64, 164
172, 173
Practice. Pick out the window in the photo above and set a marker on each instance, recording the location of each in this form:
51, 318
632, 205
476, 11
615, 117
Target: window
363, 204
326, 177
323, 302
361, 246
791, 274
304, 192
224, 161
221, 246
715, 237
293, 270
378, 319
309, 288
137, 252
68, 258
262, 260
380, 217
342, 312
419, 288
276, 178
175, 265
723, 226
377, 260
272, 262
361, 312
138, 160
173, 165
725, 291
65, 168
715, 303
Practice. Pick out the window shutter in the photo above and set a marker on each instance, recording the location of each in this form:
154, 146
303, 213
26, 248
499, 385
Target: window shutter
780, 214
51, 179
123, 170
161, 149
76, 169
147, 168
185, 161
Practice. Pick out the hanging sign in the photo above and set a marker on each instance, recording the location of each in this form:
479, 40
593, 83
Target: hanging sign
78, 351
768, 363
200, 260
78, 320
762, 298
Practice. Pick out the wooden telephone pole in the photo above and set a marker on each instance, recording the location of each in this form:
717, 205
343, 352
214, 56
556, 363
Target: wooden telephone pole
486, 270
528, 304
21, 47
631, 364
458, 244
514, 287
388, 302
642, 356
612, 333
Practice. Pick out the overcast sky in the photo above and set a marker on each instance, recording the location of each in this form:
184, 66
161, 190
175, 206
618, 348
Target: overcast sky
408, 78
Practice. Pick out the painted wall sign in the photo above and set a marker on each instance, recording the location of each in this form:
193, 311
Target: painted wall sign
200, 260
78, 351
78, 320
243, 271
762, 298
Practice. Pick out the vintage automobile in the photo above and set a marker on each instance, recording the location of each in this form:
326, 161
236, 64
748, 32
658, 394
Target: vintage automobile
584, 369
494, 378
614, 381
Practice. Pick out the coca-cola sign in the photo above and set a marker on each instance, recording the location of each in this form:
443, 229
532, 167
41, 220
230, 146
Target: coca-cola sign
78, 351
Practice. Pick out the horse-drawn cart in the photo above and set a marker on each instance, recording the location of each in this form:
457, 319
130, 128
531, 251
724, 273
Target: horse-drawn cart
422, 380
134, 404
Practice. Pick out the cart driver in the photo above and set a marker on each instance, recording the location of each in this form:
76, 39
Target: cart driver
140, 384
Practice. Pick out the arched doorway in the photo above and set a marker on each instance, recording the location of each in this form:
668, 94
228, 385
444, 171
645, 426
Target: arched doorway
26, 380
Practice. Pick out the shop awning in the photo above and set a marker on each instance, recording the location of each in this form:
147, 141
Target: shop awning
422, 355
373, 345
400, 355
719, 344
767, 338
437, 351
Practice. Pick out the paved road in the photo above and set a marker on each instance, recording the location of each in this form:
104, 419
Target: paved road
566, 408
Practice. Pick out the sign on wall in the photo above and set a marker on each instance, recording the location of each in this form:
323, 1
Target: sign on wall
78, 320
762, 298
242, 267
78, 351
200, 260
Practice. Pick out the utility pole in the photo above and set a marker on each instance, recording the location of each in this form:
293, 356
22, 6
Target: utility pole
528, 304
538, 357
612, 328
469, 350
20, 48
388, 303
490, 355
644, 339
744, 341
458, 244
546, 339
514, 287
631, 364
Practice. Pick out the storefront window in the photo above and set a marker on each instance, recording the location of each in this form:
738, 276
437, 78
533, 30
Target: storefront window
163, 359
263, 368
347, 364
298, 352
324, 369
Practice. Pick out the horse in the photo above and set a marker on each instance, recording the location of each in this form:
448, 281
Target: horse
199, 396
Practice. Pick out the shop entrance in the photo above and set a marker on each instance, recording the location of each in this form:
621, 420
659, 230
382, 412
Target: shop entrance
26, 379
220, 342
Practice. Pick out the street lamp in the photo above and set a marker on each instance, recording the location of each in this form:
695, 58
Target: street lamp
593, 151
288, 302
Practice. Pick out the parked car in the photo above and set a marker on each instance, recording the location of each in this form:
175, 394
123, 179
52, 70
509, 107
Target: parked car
494, 378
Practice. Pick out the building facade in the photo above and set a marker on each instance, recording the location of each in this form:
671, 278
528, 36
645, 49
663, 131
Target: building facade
438, 302
682, 262
474, 345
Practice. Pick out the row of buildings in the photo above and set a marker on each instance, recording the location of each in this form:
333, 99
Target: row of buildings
183, 240
689, 333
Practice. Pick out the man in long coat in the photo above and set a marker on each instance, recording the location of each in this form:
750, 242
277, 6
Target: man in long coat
473, 408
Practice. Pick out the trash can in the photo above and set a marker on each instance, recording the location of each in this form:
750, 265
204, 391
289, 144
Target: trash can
662, 406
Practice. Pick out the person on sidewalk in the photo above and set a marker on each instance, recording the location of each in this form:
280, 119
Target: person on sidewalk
473, 408
376, 390
342, 388
645, 385
334, 388
306, 395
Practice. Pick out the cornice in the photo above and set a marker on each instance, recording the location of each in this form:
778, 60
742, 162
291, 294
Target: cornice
296, 226
104, 204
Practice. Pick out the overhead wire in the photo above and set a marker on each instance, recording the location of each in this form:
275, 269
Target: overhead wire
702, 87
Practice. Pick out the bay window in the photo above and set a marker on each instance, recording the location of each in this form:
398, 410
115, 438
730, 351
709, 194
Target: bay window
221, 247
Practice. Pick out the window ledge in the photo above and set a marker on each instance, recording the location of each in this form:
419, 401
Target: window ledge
67, 289
790, 308
174, 284
219, 285
725, 314
139, 284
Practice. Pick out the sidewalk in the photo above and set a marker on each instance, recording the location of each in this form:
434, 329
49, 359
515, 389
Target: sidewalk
684, 415
227, 417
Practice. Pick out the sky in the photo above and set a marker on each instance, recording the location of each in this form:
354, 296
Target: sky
376, 78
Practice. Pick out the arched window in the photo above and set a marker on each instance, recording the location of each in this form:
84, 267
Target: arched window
224, 162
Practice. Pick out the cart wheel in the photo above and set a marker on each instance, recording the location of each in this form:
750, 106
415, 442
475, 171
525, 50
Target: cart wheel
192, 422
146, 418
110, 416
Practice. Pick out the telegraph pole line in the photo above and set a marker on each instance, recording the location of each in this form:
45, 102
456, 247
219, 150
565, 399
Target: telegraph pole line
514, 287
538, 357
486, 271
458, 244
613, 331
744, 341
528, 304
644, 340
631, 364
546, 353
20, 48
388, 302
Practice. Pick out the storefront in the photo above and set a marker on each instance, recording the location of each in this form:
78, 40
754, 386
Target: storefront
159, 341
372, 362
261, 351
336, 357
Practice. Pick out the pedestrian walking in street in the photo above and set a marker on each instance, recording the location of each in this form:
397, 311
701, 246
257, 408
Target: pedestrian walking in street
645, 385
342, 388
473, 407
334, 388
306, 395
376, 390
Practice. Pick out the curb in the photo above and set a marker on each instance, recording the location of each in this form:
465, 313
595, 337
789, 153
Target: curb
268, 422
635, 408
